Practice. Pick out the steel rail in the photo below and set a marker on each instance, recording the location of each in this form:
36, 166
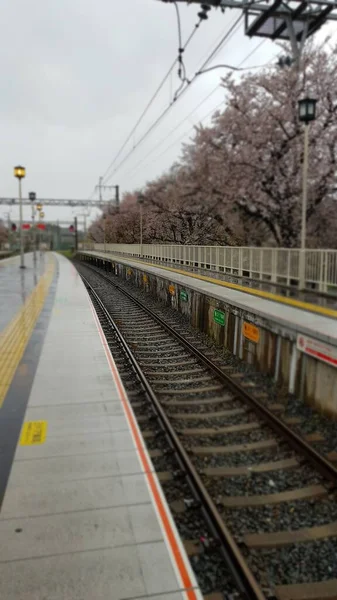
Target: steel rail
324, 467
243, 577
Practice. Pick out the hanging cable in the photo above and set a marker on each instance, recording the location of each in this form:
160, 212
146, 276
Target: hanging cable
151, 101
176, 97
218, 86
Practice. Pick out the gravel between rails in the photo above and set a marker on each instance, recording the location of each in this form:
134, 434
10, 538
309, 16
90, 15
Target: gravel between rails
227, 439
262, 483
237, 459
281, 517
313, 561
216, 421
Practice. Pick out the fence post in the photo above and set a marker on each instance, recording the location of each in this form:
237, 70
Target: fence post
274, 265
240, 262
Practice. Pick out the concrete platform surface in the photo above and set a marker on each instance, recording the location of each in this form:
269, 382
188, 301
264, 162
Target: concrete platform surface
84, 517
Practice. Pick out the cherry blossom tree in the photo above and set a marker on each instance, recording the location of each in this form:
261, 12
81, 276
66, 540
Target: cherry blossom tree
239, 180
257, 144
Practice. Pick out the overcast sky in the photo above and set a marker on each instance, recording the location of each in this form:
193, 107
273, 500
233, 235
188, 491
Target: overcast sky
76, 75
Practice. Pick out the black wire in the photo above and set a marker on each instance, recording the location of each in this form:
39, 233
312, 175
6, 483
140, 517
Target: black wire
217, 48
179, 26
178, 94
193, 32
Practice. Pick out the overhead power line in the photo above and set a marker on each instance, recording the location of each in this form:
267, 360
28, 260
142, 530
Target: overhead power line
152, 99
181, 93
218, 86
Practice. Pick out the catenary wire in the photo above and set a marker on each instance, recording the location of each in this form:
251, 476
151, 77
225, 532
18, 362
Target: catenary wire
218, 86
176, 98
151, 101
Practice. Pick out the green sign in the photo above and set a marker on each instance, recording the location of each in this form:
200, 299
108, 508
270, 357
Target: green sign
219, 317
183, 295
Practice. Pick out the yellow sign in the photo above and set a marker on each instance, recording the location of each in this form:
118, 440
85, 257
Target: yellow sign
33, 432
251, 332
172, 290
129, 272
145, 279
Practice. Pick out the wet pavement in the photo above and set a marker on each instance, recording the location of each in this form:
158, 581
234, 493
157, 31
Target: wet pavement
16, 284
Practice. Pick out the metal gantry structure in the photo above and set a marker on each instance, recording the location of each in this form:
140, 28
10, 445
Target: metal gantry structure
101, 204
288, 20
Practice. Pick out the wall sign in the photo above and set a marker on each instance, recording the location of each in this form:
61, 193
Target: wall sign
183, 296
219, 317
316, 349
172, 290
145, 279
251, 332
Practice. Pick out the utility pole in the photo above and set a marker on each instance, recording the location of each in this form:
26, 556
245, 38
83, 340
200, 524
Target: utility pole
76, 235
117, 197
100, 187
8, 215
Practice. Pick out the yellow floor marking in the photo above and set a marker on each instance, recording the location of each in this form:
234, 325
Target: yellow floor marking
14, 339
329, 312
33, 432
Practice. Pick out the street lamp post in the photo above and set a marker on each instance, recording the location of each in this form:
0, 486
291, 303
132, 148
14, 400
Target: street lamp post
32, 198
140, 201
306, 113
19, 173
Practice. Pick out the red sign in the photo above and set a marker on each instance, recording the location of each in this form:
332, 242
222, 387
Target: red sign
41, 226
25, 226
316, 349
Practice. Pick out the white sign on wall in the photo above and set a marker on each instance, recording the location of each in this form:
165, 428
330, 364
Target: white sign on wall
316, 349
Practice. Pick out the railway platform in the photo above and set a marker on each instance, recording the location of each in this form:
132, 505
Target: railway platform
82, 512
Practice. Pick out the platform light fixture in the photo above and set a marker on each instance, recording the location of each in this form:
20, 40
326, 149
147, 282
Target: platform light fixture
306, 114
307, 110
20, 173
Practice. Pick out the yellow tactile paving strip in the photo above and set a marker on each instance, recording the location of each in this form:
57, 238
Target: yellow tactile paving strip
15, 337
321, 310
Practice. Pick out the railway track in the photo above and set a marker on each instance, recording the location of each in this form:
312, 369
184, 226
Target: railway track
267, 495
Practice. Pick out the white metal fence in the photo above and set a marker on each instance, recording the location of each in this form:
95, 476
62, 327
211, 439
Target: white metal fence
276, 265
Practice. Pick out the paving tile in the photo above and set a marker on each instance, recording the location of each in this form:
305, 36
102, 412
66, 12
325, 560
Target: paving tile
158, 573
168, 596
63, 468
72, 411
64, 427
71, 532
59, 497
77, 444
100, 574
145, 525
40, 397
